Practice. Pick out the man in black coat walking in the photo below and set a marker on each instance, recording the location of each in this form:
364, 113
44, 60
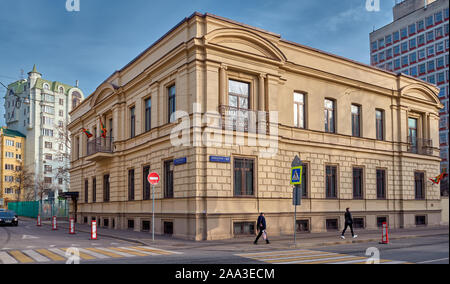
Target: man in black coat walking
261, 227
348, 223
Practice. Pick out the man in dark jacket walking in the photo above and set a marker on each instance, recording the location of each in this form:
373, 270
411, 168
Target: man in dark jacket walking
261, 227
348, 223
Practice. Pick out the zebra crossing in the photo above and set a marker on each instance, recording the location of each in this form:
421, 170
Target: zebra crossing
310, 257
49, 255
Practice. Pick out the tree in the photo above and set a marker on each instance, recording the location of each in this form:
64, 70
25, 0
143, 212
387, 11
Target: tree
62, 152
24, 186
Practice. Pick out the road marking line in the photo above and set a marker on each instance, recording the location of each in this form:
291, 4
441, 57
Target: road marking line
20, 256
305, 258
336, 259
37, 257
431, 261
5, 258
123, 254
111, 254
125, 250
308, 256
365, 262
270, 253
52, 254
82, 255
156, 250
395, 262
97, 255
313, 260
279, 256
141, 251
352, 261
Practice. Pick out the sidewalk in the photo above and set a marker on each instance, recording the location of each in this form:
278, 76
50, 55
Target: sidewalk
243, 244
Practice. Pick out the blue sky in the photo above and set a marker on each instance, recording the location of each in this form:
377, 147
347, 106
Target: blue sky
107, 34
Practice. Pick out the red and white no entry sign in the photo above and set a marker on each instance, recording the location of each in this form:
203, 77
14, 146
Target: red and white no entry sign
153, 178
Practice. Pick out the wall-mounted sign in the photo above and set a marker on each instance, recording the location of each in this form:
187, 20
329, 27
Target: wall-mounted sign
180, 161
218, 159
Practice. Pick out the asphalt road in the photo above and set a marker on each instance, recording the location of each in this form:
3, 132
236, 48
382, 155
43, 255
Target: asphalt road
431, 250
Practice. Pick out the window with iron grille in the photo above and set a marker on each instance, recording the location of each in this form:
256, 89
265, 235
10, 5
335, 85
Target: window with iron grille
356, 121
381, 184
106, 223
132, 122
303, 226
332, 224
94, 190
358, 223
146, 184
168, 228
357, 183
419, 183
299, 110
243, 177
421, 220
131, 185
168, 174
305, 181
106, 188
145, 226
148, 114
331, 182
243, 228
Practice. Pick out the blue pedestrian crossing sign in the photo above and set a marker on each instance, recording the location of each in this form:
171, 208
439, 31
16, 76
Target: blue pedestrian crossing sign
296, 175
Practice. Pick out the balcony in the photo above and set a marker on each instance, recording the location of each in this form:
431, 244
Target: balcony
420, 146
100, 148
244, 120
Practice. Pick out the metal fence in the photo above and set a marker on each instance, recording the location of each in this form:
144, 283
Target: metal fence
47, 209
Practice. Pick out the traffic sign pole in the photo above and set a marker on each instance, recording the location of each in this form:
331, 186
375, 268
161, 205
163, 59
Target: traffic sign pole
153, 211
296, 180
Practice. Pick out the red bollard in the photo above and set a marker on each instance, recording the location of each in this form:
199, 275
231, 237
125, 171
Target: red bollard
39, 224
385, 235
72, 226
54, 224
94, 230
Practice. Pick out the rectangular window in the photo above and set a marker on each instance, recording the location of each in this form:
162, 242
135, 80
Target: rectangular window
439, 33
422, 69
374, 45
130, 224
329, 116
332, 224
381, 56
243, 177
397, 63
396, 36
381, 184
299, 110
168, 175
430, 36
303, 226
146, 184
430, 66
48, 145
440, 47
412, 57
48, 169
404, 46
172, 102
106, 188
412, 43
421, 40
420, 26
331, 182
145, 226
380, 124
388, 53
412, 29
47, 180
244, 229
358, 223
356, 121
404, 33
440, 62
388, 40
132, 122
168, 228
396, 50
239, 104
412, 134
429, 21
438, 17
86, 191
131, 185
430, 51
380, 221
421, 220
148, 114
419, 185
381, 43
405, 61
357, 183
94, 190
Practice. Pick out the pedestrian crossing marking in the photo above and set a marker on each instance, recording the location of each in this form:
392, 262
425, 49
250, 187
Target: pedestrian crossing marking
50, 255
59, 254
111, 254
22, 258
310, 257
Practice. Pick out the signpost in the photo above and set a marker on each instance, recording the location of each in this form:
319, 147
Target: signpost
39, 221
54, 225
72, 226
153, 179
296, 180
94, 230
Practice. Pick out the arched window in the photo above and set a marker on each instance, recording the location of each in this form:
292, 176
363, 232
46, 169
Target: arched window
76, 99
61, 89
46, 86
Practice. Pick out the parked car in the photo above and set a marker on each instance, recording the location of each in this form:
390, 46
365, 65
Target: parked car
8, 218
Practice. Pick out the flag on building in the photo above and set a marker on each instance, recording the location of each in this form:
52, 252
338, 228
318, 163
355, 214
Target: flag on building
438, 179
88, 134
104, 131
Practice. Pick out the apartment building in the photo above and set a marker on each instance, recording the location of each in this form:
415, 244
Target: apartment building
416, 43
219, 110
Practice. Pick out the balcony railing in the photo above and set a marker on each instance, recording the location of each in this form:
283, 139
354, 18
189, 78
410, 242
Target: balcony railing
420, 146
100, 145
244, 120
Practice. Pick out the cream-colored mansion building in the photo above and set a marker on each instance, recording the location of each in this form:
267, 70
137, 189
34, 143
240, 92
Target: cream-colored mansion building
368, 138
